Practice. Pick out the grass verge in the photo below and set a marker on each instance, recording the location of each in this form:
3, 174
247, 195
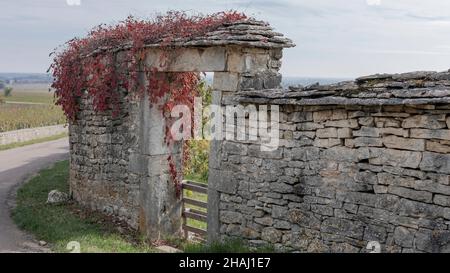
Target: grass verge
34, 141
59, 225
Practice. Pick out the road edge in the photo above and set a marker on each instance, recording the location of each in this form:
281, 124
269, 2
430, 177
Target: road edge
32, 244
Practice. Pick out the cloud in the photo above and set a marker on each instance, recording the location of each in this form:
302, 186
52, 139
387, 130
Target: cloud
333, 37
408, 52
373, 2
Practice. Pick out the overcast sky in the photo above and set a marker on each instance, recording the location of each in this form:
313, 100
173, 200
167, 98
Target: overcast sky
335, 38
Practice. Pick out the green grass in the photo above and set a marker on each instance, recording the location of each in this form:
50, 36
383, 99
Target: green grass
59, 225
34, 141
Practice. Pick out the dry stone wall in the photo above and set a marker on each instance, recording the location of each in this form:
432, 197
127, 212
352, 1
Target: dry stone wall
100, 159
24, 135
119, 166
344, 174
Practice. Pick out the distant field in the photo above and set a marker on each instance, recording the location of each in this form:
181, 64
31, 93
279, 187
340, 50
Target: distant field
29, 93
31, 105
29, 97
21, 116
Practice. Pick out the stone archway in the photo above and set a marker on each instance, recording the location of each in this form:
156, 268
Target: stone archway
120, 166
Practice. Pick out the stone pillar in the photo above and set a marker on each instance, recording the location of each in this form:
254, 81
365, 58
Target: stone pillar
246, 69
160, 208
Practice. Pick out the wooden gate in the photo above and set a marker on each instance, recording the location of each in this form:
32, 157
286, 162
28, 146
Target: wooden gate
194, 209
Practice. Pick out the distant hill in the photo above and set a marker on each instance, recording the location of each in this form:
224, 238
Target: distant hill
294, 81
25, 78
36, 78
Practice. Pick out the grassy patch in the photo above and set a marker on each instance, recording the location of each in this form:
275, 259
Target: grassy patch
59, 225
34, 141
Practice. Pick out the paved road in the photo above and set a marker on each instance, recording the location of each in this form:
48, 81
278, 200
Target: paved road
27, 103
15, 166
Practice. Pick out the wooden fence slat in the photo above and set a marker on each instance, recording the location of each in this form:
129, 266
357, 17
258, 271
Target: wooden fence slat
194, 213
195, 216
195, 188
190, 182
197, 203
198, 231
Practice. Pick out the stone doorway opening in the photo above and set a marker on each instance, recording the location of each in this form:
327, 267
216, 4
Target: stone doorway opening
235, 69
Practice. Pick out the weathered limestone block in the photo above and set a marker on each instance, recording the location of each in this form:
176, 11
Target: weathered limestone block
223, 181
421, 196
327, 133
188, 59
226, 81
309, 126
345, 133
367, 142
435, 162
425, 121
394, 131
301, 116
231, 217
366, 121
387, 122
367, 132
379, 156
433, 241
432, 186
271, 235
430, 134
343, 227
304, 219
418, 209
320, 116
345, 123
402, 143
327, 142
305, 154
345, 154
403, 237
433, 146
390, 179
442, 200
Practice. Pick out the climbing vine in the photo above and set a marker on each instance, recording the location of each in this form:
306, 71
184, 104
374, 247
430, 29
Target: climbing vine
111, 57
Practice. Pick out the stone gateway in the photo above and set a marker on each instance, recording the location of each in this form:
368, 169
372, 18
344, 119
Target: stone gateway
357, 162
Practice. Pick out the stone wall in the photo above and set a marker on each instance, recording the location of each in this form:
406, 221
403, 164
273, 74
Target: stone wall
31, 134
344, 174
100, 158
